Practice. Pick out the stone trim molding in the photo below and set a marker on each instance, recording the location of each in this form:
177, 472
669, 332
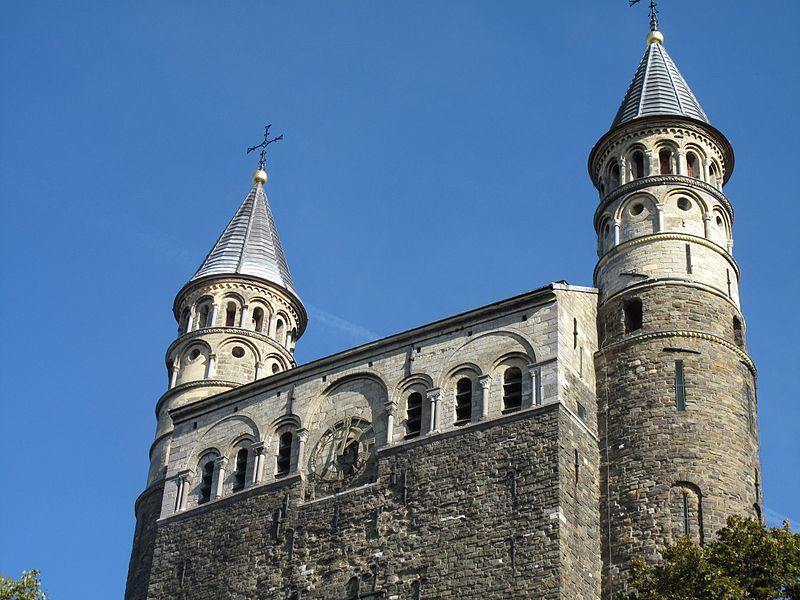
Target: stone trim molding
653, 180
233, 330
194, 384
684, 333
662, 236
648, 283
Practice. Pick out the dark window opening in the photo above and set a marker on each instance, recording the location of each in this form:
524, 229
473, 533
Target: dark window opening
688, 259
637, 164
665, 162
205, 482
632, 310
241, 470
284, 460
692, 165
413, 415
577, 466
185, 321
614, 175
686, 523
230, 315
751, 413
581, 412
680, 386
203, 321
512, 389
738, 334
463, 401
258, 319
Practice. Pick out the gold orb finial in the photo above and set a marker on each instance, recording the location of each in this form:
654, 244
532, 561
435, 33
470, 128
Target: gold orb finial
260, 176
655, 37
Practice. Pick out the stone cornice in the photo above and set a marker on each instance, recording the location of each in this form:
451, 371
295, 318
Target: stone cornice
193, 384
655, 180
230, 330
663, 236
683, 333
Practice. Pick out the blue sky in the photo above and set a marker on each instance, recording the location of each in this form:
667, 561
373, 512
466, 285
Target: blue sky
434, 161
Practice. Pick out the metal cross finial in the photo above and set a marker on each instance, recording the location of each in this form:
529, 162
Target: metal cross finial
653, 13
263, 145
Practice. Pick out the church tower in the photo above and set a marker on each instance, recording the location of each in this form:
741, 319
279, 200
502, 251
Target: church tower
675, 385
239, 318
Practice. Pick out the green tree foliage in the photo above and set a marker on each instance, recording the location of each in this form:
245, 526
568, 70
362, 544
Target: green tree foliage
26, 587
747, 561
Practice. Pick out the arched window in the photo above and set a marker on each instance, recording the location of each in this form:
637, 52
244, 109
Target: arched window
258, 319
692, 165
665, 161
230, 314
632, 311
738, 334
686, 506
637, 164
463, 401
280, 331
512, 389
206, 478
184, 326
202, 320
413, 415
240, 472
713, 174
284, 458
613, 175
275, 368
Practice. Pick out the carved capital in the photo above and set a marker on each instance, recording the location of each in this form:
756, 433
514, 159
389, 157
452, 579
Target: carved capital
390, 406
434, 394
259, 447
221, 462
302, 434
485, 381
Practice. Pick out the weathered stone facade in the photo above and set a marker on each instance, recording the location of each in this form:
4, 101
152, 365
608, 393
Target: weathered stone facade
526, 449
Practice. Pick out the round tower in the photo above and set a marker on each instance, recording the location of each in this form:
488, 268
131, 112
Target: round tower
675, 385
239, 318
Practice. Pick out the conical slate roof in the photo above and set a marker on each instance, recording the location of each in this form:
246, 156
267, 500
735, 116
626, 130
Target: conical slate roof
658, 88
250, 245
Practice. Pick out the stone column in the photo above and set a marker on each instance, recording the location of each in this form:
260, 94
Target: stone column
190, 324
391, 407
649, 165
243, 317
536, 382
623, 170
182, 481
271, 326
259, 366
707, 226
659, 217
706, 172
219, 474
258, 465
485, 382
680, 159
173, 374
212, 359
434, 396
616, 234
212, 317
302, 436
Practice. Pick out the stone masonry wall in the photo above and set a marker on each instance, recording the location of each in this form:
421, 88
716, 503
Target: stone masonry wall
474, 513
148, 508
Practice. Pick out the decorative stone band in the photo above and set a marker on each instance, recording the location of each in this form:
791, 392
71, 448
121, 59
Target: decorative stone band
653, 180
684, 333
651, 283
238, 331
658, 237
194, 384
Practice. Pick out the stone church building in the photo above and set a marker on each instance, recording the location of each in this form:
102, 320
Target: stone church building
525, 449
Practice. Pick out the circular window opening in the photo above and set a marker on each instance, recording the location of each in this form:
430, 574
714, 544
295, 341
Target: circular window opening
719, 220
194, 354
238, 352
637, 209
684, 204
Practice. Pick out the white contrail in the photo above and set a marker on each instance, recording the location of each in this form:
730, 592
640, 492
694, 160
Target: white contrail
356, 332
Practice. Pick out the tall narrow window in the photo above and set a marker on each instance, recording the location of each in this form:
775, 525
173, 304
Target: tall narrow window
614, 175
413, 415
637, 164
712, 172
692, 165
280, 331
185, 320
680, 386
284, 459
688, 259
203, 319
230, 315
463, 401
751, 412
512, 389
632, 311
241, 470
738, 334
207, 476
665, 162
687, 529
258, 319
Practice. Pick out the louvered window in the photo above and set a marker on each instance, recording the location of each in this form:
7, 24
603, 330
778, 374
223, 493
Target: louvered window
284, 458
413, 415
463, 401
241, 470
205, 482
512, 389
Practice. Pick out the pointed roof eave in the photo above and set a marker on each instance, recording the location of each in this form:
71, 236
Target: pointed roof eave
250, 246
658, 89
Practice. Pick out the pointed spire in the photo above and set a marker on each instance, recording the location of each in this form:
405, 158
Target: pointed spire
250, 244
658, 88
